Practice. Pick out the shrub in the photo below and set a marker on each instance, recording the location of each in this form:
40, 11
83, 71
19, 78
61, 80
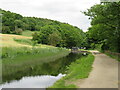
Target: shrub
5, 29
18, 31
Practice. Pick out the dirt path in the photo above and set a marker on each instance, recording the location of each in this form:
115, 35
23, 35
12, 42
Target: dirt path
103, 75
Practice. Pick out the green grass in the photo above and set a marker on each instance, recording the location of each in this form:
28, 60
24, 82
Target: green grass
77, 70
9, 53
113, 56
117, 57
16, 62
27, 33
0, 71
62, 84
83, 50
24, 41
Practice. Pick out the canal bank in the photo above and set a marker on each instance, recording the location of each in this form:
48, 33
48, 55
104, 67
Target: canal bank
76, 70
49, 70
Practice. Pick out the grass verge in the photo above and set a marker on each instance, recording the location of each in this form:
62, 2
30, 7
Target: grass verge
77, 70
117, 57
113, 55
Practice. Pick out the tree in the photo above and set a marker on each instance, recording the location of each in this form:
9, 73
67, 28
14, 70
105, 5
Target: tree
46, 31
54, 38
37, 27
18, 23
18, 31
5, 29
105, 27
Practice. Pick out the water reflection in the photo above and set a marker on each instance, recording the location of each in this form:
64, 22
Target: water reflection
50, 68
55, 67
33, 82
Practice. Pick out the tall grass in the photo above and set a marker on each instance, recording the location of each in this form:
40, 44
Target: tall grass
12, 52
77, 70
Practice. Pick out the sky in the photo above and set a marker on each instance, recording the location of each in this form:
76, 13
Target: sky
68, 11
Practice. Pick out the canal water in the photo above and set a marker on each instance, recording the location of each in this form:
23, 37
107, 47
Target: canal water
45, 74
43, 81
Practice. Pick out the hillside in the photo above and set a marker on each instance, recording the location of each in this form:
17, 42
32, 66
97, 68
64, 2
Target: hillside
12, 21
49, 32
8, 40
11, 40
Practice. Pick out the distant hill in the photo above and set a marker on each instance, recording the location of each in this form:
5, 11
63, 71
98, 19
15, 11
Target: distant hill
50, 32
12, 21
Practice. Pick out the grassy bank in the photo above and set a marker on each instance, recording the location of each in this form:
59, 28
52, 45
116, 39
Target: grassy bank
24, 41
77, 70
111, 54
114, 55
7, 40
19, 61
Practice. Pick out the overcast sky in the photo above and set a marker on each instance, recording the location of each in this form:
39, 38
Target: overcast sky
62, 10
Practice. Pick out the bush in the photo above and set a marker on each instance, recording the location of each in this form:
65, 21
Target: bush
98, 47
18, 31
54, 39
5, 29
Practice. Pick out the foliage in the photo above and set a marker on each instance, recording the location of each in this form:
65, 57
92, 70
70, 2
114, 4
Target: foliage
64, 35
46, 31
18, 23
5, 29
105, 27
77, 70
18, 31
54, 39
13, 20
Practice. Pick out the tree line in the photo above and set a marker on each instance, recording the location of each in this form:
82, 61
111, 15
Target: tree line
47, 31
104, 32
